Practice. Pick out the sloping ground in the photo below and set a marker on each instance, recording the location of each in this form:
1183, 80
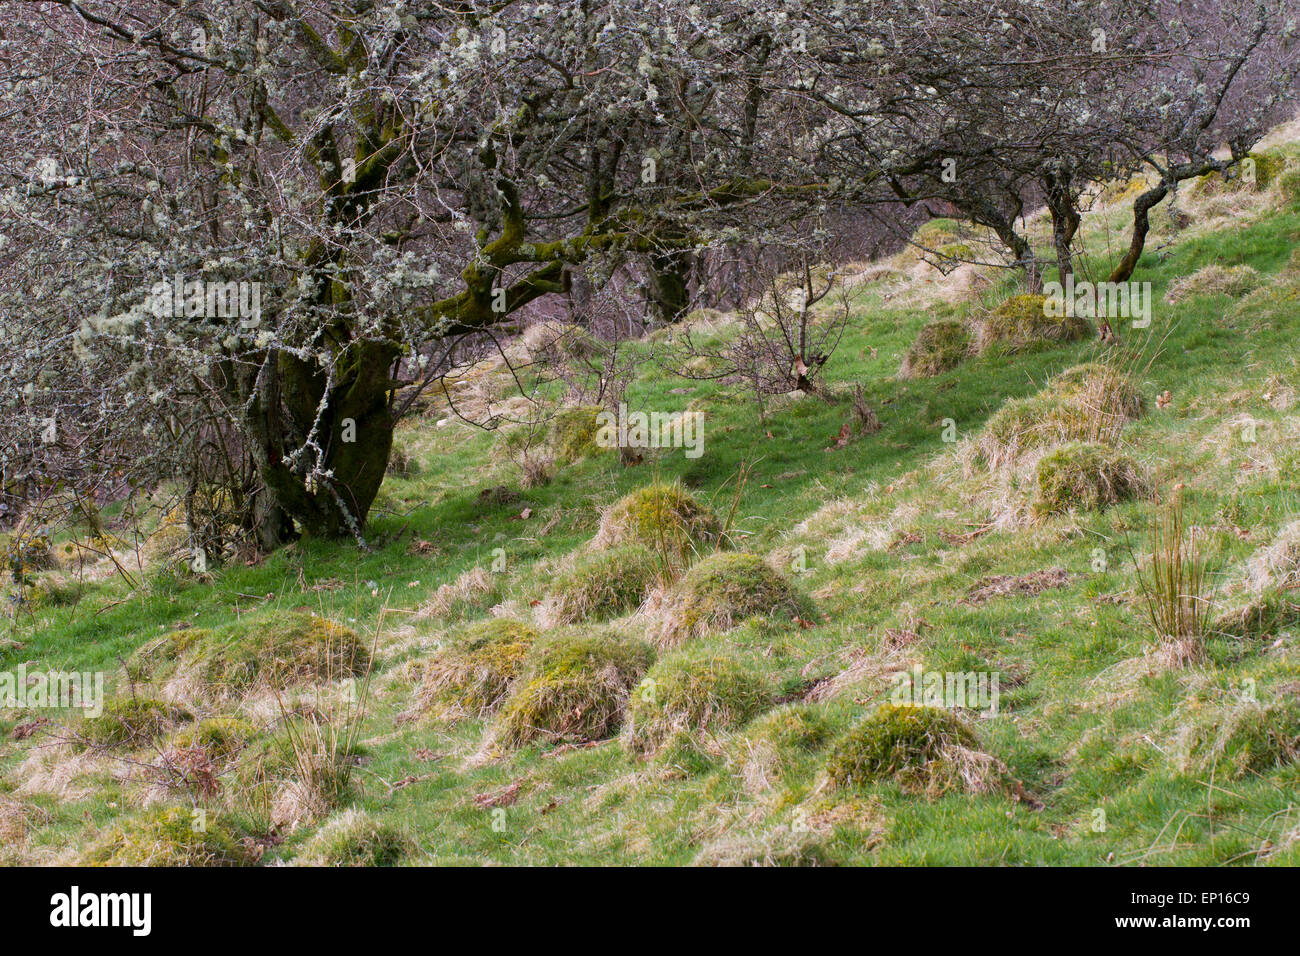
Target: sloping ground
714, 693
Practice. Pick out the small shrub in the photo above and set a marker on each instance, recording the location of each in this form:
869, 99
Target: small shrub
1021, 324
168, 837
902, 743
574, 431
133, 722
574, 689
1083, 476
602, 586
694, 695
355, 838
663, 518
940, 345
1234, 281
721, 591
476, 672
26, 552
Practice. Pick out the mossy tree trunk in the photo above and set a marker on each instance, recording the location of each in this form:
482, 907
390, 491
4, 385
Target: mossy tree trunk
340, 428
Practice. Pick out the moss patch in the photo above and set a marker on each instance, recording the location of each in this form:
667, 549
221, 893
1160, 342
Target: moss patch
921, 748
286, 649
218, 737
574, 431
129, 722
355, 838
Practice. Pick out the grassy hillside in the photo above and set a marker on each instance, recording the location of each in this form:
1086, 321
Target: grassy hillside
736, 716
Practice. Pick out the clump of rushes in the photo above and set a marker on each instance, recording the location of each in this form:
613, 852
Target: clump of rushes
1175, 586
574, 689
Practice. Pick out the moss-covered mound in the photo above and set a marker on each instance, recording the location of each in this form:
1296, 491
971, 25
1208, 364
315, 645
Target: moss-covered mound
574, 431
1022, 323
1255, 174
777, 743
1256, 616
574, 689
663, 518
690, 696
129, 722
278, 651
171, 836
940, 345
604, 585
1234, 281
1086, 403
1288, 185
220, 738
355, 838
1239, 737
1083, 476
723, 590
915, 746
474, 674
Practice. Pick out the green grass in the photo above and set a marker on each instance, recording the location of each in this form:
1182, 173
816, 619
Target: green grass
871, 533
